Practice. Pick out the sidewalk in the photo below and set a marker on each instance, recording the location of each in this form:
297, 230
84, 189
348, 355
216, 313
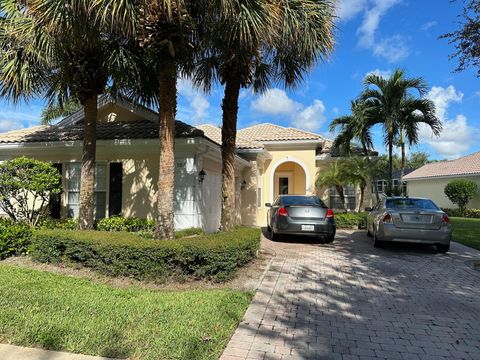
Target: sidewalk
11, 352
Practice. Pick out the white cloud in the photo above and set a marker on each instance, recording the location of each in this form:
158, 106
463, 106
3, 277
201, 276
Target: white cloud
10, 124
393, 48
457, 135
428, 25
197, 103
382, 73
275, 102
312, 117
348, 9
336, 110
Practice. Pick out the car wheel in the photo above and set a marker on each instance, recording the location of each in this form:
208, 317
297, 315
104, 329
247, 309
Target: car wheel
329, 239
376, 243
273, 236
443, 248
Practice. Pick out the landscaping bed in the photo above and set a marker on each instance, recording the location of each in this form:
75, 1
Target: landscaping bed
466, 231
41, 309
351, 220
212, 257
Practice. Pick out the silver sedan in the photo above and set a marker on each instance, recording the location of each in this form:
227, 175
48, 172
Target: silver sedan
411, 220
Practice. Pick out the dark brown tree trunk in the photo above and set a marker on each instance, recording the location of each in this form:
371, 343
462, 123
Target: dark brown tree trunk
168, 106
341, 194
229, 134
362, 197
402, 144
87, 176
390, 167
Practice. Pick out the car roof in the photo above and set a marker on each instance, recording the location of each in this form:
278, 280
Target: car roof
406, 197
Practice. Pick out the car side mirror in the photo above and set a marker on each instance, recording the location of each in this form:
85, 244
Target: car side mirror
268, 205
368, 209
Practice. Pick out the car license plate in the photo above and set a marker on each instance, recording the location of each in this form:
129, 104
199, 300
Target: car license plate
308, 227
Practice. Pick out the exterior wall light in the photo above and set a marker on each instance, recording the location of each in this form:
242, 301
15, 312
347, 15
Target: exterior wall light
201, 176
243, 185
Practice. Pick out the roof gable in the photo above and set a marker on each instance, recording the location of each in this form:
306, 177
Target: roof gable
467, 165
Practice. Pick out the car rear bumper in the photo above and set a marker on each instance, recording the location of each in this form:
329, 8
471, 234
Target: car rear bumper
292, 227
388, 232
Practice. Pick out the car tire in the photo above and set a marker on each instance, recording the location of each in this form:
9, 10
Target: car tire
273, 236
376, 243
443, 248
329, 239
369, 234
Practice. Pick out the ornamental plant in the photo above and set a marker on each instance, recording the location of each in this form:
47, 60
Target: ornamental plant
25, 188
460, 192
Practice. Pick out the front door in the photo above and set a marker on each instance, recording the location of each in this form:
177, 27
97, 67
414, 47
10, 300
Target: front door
283, 184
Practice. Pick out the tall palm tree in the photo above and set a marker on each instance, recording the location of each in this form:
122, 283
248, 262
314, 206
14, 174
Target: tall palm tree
62, 49
416, 112
385, 99
59, 109
355, 128
252, 43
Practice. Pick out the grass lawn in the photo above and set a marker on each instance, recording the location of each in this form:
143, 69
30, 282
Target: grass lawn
57, 312
466, 231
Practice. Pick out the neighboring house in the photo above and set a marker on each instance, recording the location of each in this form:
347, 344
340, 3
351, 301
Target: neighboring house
397, 183
430, 180
270, 160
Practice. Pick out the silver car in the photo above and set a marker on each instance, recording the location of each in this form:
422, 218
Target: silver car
300, 215
411, 220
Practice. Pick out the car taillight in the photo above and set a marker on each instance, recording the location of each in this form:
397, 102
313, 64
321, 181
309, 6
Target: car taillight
330, 213
282, 212
445, 219
387, 218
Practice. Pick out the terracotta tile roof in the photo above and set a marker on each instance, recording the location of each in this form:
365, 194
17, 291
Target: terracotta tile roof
464, 166
142, 129
336, 152
214, 133
270, 132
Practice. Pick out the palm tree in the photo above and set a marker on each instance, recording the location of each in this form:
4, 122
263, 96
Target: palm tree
56, 110
355, 128
416, 112
336, 177
61, 50
252, 43
359, 172
385, 99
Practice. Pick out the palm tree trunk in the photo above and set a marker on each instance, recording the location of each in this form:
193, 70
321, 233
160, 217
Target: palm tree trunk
374, 178
362, 197
390, 167
402, 144
341, 194
87, 174
168, 106
229, 134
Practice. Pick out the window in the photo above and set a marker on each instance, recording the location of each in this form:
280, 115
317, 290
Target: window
302, 200
73, 190
381, 186
336, 203
406, 204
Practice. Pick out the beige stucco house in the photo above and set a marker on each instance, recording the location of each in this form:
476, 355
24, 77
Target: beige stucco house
430, 180
270, 160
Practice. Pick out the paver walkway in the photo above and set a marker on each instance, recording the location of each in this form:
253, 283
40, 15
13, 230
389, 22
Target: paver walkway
348, 300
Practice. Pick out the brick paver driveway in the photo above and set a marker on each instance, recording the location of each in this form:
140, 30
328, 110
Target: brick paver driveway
348, 300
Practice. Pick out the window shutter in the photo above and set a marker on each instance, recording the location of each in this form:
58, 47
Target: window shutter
55, 203
115, 196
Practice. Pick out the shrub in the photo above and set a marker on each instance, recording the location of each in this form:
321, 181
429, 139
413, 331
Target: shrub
25, 188
351, 220
188, 232
215, 256
51, 224
460, 192
129, 224
15, 238
469, 213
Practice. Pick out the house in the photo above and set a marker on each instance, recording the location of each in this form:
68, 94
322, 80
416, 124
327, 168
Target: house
270, 160
430, 180
397, 184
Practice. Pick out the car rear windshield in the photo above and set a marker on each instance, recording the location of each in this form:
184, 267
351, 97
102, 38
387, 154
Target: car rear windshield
400, 204
302, 200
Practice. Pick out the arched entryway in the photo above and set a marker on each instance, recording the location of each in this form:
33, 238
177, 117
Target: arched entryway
289, 177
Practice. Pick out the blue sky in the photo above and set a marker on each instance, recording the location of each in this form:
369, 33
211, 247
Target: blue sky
372, 36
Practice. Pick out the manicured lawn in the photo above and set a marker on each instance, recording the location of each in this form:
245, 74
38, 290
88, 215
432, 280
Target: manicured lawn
57, 312
466, 231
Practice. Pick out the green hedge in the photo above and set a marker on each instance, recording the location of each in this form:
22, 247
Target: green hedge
51, 224
351, 220
15, 238
469, 213
129, 224
213, 257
